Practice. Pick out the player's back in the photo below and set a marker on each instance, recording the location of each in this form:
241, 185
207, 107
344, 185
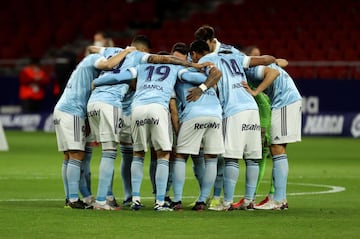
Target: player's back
281, 92
77, 91
155, 83
285, 91
233, 96
207, 105
114, 94
227, 48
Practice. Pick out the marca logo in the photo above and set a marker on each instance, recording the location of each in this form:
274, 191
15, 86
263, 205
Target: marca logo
324, 124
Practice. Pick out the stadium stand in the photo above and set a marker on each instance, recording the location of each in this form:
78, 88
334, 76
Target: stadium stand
304, 30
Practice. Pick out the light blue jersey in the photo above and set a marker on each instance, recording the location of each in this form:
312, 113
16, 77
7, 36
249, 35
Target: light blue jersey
155, 84
221, 47
77, 92
113, 94
126, 104
233, 96
207, 105
281, 92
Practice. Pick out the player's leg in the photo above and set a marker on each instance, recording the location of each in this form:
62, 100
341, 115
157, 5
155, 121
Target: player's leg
231, 174
64, 178
152, 169
234, 142
213, 145
161, 179
252, 155
85, 177
108, 131
73, 178
199, 166
178, 179
140, 136
208, 180
137, 174
161, 140
126, 149
285, 128
216, 201
125, 171
106, 172
265, 122
188, 142
169, 184
70, 135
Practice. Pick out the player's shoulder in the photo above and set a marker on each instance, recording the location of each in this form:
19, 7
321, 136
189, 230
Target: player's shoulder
112, 50
91, 59
209, 57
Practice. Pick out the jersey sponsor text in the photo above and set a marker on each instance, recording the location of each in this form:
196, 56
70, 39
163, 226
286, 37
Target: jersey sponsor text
212, 125
147, 121
254, 127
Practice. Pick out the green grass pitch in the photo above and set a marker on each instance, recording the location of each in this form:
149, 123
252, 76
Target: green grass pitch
323, 196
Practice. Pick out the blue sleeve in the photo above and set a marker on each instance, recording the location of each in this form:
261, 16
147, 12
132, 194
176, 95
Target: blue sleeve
255, 73
193, 77
114, 78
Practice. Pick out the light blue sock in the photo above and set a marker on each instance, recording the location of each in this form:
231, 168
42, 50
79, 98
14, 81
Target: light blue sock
280, 174
219, 181
251, 178
106, 171
137, 173
85, 176
125, 169
110, 188
231, 174
178, 175
64, 177
199, 166
208, 178
73, 178
161, 179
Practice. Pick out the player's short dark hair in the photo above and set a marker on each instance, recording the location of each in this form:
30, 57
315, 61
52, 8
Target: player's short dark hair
142, 39
199, 46
180, 47
205, 33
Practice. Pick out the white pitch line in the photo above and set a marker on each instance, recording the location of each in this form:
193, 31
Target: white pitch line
332, 189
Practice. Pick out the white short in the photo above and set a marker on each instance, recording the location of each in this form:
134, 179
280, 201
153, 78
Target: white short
151, 123
242, 134
203, 129
70, 131
286, 124
105, 121
125, 132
